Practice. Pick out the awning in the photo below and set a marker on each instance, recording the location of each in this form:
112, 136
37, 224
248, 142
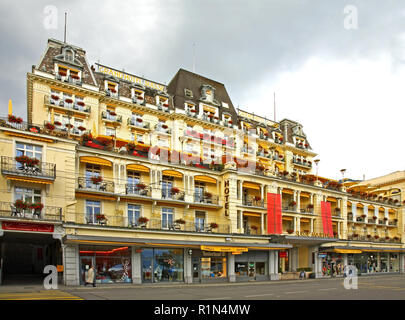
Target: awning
96, 160
205, 179
305, 220
138, 167
287, 191
287, 218
347, 251
252, 214
331, 199
251, 185
223, 249
172, 173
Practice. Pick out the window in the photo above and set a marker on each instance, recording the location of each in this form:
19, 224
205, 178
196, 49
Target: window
167, 217
133, 178
93, 208
167, 186
27, 194
199, 220
92, 171
29, 150
78, 123
139, 138
199, 192
188, 93
163, 143
134, 212
110, 131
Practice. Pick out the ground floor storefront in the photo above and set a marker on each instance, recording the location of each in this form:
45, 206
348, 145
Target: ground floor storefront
145, 261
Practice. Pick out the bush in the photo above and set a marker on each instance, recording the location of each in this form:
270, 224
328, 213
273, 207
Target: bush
304, 269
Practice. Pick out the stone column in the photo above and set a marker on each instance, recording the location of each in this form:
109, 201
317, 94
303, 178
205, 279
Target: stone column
188, 272
378, 262
298, 224
136, 266
231, 267
262, 223
71, 265
262, 193
386, 215
294, 259
273, 265
240, 190
318, 265
312, 225
241, 220
401, 262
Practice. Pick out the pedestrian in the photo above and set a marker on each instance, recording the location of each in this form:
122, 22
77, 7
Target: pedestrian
302, 274
91, 277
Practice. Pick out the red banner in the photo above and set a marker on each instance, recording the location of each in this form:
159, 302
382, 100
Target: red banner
23, 226
326, 218
274, 224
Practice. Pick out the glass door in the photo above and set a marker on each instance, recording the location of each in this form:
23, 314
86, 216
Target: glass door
196, 269
252, 270
85, 264
167, 189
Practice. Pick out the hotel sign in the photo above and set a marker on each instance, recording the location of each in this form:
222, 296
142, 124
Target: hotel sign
226, 192
312, 234
128, 77
224, 249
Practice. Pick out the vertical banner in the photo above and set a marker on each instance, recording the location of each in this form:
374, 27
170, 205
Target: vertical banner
274, 224
326, 218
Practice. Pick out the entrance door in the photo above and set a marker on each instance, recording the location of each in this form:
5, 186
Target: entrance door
196, 269
251, 270
85, 264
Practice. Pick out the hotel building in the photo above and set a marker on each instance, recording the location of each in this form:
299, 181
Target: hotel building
151, 182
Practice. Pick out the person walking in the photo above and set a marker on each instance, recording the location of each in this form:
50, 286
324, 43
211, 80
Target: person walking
91, 277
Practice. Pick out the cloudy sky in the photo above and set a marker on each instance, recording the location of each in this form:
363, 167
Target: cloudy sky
337, 67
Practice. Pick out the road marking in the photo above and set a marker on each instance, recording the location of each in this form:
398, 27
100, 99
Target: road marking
290, 292
42, 295
260, 295
221, 298
328, 289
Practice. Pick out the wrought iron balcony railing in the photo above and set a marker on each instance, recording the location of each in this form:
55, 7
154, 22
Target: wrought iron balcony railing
173, 194
138, 189
8, 209
138, 123
109, 117
90, 184
43, 170
208, 199
252, 201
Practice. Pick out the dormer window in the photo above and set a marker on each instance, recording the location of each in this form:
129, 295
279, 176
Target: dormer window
138, 96
188, 93
111, 88
69, 55
207, 93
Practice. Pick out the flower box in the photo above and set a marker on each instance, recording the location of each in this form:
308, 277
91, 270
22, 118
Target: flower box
376, 237
14, 119
141, 186
80, 103
49, 126
68, 125
139, 120
213, 225
254, 228
55, 97
100, 217
57, 123
180, 221
68, 100
27, 160
81, 128
96, 179
363, 215
175, 190
62, 73
193, 111
387, 238
374, 217
113, 90
143, 220
19, 204
290, 231
35, 206
74, 76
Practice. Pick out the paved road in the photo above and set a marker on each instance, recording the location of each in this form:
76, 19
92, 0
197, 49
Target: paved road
386, 287
390, 287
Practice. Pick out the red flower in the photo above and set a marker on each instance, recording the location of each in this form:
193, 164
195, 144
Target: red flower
81, 128
62, 73
57, 123
213, 225
55, 97
68, 100
139, 119
166, 105
140, 98
50, 126
113, 90
112, 113
193, 111
96, 179
80, 103
74, 76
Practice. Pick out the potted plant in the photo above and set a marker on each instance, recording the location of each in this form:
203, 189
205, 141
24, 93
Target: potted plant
131, 146
57, 123
80, 103
180, 221
81, 128
14, 119
96, 179
19, 204
49, 126
290, 231
213, 225
141, 186
208, 194
175, 190
36, 206
55, 97
376, 237
143, 220
254, 228
69, 125
100, 217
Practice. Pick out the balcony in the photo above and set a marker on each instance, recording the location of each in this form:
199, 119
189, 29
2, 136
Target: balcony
138, 123
264, 136
73, 79
138, 189
163, 107
163, 128
173, 194
170, 225
42, 170
111, 118
263, 154
278, 158
252, 201
138, 100
48, 213
210, 118
392, 223
111, 93
78, 106
302, 163
90, 184
207, 198
191, 113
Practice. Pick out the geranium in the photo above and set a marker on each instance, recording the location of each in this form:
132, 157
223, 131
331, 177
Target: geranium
80, 103
57, 123
254, 227
213, 225
68, 100
74, 76
14, 119
49, 126
100, 217
143, 220
55, 97
141, 186
175, 190
36, 206
81, 128
96, 179
20, 204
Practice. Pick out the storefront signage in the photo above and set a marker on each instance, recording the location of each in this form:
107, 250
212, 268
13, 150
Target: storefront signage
226, 192
223, 249
312, 234
321, 255
128, 77
22, 226
213, 254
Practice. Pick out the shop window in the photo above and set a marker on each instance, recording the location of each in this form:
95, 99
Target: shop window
162, 265
112, 264
213, 267
241, 268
